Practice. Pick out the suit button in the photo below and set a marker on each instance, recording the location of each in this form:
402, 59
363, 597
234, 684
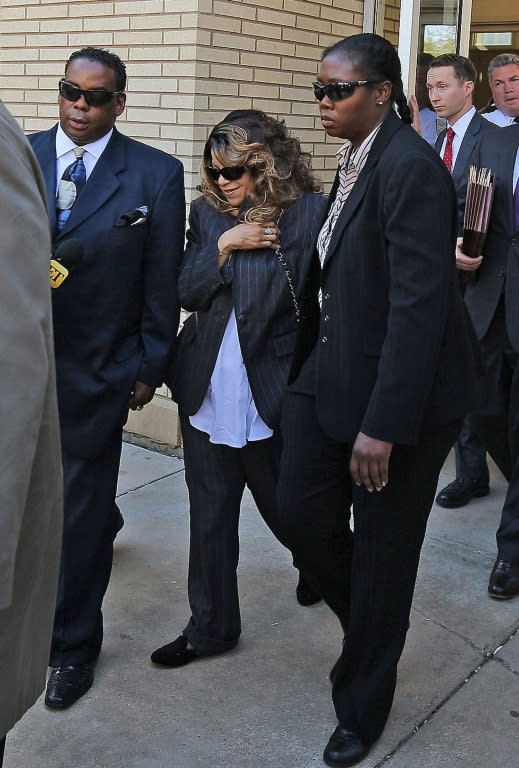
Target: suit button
241, 319
326, 295
326, 318
501, 274
324, 339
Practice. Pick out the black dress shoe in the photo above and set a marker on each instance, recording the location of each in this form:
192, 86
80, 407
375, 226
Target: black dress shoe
460, 492
305, 594
504, 580
175, 654
344, 748
67, 684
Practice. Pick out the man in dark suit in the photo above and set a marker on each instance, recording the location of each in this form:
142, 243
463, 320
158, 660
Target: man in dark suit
503, 78
450, 82
493, 303
115, 322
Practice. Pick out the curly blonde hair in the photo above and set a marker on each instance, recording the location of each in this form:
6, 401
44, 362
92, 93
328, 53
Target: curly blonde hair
280, 169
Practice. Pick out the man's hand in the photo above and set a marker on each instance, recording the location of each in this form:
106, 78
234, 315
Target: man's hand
370, 461
141, 395
466, 263
415, 114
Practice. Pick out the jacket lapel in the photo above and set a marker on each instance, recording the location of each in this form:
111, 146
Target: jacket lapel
101, 185
391, 124
468, 144
46, 153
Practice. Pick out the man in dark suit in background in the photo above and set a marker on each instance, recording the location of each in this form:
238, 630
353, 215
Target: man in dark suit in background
503, 78
493, 303
115, 322
450, 82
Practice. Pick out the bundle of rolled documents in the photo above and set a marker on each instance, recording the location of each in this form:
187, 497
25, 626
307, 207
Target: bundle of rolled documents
480, 195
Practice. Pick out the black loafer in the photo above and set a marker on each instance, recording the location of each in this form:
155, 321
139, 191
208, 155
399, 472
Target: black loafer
175, 654
344, 748
460, 492
305, 594
67, 684
504, 580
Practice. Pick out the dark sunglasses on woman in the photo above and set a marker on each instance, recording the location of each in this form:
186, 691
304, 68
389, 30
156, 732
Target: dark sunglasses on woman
230, 173
94, 97
339, 90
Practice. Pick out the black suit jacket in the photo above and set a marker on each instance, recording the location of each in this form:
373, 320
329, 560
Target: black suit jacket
116, 315
393, 327
476, 129
255, 285
499, 271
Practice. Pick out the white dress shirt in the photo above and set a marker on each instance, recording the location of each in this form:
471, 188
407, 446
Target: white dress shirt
459, 128
65, 152
498, 118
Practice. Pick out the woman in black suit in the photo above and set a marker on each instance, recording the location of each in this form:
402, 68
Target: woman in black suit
249, 248
373, 406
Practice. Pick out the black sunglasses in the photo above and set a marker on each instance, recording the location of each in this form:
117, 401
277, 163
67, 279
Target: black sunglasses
230, 173
339, 90
94, 97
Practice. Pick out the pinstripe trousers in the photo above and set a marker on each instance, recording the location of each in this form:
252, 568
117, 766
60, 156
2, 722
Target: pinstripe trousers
216, 476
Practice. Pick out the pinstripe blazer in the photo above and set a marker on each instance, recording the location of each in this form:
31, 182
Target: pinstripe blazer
501, 249
476, 129
254, 283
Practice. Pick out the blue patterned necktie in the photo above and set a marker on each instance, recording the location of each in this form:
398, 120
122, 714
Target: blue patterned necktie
70, 185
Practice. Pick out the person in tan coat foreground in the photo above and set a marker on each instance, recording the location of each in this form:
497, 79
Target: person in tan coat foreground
30, 455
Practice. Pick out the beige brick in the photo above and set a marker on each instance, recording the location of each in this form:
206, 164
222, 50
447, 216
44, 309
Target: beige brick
113, 23
82, 9
264, 60
183, 101
149, 37
272, 107
222, 72
157, 21
60, 25
255, 90
223, 55
276, 17
136, 7
103, 39
185, 69
20, 82
134, 114
45, 11
13, 41
302, 7
15, 26
234, 42
145, 99
308, 66
326, 40
260, 30
228, 103
309, 52
305, 81
148, 85
234, 9
299, 122
12, 13
14, 54
317, 25
264, 3
273, 46
43, 96
186, 6
21, 109
141, 68
152, 53
138, 130
300, 36
209, 87
272, 76
184, 37
349, 5
224, 23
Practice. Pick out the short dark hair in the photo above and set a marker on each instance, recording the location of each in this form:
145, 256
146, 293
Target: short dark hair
463, 68
376, 59
105, 57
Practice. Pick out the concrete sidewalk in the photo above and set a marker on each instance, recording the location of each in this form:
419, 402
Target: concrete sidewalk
267, 704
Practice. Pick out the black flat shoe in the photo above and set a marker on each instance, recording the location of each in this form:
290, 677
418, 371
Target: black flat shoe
460, 492
344, 748
504, 580
67, 684
305, 594
175, 654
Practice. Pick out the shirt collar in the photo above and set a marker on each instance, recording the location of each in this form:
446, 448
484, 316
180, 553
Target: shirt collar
357, 155
462, 123
64, 144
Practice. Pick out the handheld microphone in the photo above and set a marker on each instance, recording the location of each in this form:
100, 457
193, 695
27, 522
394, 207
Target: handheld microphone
67, 254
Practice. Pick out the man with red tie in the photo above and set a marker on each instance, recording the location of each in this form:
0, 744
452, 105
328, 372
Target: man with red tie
450, 82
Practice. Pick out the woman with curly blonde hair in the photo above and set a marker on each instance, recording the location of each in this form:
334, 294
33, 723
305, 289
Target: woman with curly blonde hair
249, 247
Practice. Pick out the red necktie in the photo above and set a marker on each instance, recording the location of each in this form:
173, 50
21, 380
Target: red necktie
447, 155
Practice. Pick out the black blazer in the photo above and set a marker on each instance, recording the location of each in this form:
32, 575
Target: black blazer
476, 129
499, 270
116, 316
394, 352
254, 283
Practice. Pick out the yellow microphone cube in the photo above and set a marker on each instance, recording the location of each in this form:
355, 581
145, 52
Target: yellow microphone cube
58, 273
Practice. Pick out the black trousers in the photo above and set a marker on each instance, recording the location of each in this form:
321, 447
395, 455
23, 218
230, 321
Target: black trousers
90, 521
367, 576
471, 452
216, 476
499, 425
2, 749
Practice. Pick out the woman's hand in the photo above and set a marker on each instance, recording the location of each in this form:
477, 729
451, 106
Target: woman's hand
247, 237
370, 461
466, 263
415, 114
